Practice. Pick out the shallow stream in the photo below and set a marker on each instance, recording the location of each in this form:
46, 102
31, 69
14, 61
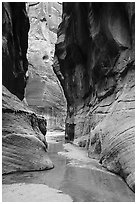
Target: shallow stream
84, 183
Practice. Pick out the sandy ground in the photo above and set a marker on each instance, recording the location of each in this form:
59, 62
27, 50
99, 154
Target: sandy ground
32, 193
79, 158
73, 152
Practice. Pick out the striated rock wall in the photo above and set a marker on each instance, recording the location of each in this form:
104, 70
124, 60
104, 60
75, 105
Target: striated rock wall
23, 142
95, 63
43, 91
23, 132
15, 27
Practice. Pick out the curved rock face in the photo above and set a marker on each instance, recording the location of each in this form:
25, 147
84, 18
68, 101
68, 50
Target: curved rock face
15, 27
23, 143
94, 61
43, 91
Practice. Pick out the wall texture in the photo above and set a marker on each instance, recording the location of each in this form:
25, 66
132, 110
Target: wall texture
24, 147
95, 63
15, 27
43, 91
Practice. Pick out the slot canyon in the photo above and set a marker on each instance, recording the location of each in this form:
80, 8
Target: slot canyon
68, 101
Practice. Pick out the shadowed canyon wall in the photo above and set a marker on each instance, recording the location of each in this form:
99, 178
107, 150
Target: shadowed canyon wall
15, 27
43, 91
23, 132
95, 63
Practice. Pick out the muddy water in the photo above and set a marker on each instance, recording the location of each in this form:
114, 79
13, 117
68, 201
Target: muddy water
81, 183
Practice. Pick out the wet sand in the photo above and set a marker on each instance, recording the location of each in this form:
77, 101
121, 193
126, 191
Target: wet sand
32, 193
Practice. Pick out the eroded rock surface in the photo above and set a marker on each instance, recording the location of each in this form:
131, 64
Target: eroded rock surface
94, 61
23, 143
43, 91
15, 27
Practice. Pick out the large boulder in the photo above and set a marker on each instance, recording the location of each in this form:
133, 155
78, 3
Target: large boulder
23, 143
95, 57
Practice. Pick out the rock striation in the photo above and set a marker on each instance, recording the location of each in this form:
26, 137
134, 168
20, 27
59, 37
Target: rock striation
15, 27
95, 63
23, 142
43, 91
23, 132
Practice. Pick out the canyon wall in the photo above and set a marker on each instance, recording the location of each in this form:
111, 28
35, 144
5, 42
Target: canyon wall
95, 63
43, 91
15, 27
24, 147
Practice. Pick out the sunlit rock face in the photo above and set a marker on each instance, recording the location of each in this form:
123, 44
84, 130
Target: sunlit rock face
94, 61
15, 27
24, 147
43, 91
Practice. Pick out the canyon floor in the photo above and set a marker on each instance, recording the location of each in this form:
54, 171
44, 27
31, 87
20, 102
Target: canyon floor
74, 178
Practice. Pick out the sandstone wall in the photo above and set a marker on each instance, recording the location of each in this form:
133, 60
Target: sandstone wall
24, 147
23, 132
15, 27
43, 91
95, 63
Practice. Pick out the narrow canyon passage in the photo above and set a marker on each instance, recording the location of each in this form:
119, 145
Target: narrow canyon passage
68, 102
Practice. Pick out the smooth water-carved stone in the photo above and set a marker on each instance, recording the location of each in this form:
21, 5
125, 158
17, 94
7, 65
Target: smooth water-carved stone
95, 51
24, 146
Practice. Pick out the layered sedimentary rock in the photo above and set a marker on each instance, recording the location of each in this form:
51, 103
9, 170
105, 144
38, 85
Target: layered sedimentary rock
15, 27
94, 61
43, 91
23, 137
23, 142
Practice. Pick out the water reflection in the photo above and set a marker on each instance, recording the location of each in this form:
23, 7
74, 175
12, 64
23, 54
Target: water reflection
94, 186
82, 184
52, 177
